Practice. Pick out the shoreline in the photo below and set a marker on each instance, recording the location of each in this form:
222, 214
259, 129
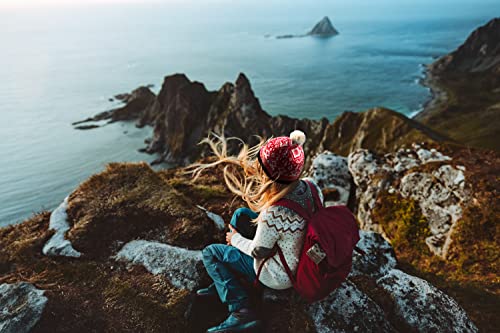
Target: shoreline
438, 94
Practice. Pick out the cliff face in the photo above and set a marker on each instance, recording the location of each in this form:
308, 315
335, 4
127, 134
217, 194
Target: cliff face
380, 130
185, 112
479, 53
465, 85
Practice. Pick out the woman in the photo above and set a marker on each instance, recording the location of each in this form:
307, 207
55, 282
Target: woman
261, 176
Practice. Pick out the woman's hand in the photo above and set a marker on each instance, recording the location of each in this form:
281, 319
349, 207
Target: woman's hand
230, 234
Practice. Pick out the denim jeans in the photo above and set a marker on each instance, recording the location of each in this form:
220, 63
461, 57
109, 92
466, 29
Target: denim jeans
226, 264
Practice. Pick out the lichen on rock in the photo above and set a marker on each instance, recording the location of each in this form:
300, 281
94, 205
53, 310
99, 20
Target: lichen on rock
423, 307
21, 306
182, 267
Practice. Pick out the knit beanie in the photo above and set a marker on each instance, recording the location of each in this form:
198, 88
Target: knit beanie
282, 158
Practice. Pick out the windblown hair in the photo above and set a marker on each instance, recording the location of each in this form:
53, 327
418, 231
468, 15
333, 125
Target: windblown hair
243, 173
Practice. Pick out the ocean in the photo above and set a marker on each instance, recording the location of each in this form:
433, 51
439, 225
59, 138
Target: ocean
62, 64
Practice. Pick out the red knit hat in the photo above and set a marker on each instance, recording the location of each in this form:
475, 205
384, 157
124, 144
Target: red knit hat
282, 158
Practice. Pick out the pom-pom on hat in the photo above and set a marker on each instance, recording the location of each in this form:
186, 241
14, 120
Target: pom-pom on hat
282, 158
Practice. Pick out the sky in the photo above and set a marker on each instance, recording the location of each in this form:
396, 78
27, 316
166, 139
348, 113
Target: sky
46, 3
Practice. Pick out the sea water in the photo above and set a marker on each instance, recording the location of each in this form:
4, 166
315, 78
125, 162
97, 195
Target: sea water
62, 64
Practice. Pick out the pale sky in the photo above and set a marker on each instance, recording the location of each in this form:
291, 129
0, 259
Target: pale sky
58, 3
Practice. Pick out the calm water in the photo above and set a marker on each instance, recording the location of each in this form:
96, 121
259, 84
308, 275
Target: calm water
62, 65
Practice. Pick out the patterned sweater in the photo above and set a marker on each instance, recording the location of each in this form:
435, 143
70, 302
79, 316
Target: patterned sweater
282, 226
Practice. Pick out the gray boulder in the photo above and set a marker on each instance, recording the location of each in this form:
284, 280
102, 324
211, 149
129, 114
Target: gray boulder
379, 259
423, 307
331, 173
348, 309
21, 306
182, 267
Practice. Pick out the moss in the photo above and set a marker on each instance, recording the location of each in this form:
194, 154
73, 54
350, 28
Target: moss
403, 222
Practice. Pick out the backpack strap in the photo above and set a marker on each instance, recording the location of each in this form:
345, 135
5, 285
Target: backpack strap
285, 265
256, 281
283, 262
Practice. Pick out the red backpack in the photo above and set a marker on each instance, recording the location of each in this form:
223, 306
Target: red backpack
326, 257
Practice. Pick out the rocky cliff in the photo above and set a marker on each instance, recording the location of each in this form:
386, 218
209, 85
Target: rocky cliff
138, 234
234, 111
466, 89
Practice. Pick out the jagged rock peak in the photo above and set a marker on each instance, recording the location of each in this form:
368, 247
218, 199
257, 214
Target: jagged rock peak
324, 28
242, 81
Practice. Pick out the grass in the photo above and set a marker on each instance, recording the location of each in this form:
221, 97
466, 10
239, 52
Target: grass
471, 112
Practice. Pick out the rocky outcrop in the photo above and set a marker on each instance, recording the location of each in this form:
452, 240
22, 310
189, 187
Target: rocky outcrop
438, 191
21, 306
465, 88
234, 111
416, 302
323, 28
58, 245
379, 129
136, 102
332, 175
182, 267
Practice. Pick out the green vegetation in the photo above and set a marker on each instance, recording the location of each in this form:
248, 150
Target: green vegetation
403, 222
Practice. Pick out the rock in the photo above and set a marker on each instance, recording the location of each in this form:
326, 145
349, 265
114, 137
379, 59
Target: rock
124, 97
379, 259
340, 312
379, 129
235, 111
218, 220
286, 36
137, 102
439, 193
21, 307
182, 267
323, 28
423, 307
86, 127
332, 175
58, 245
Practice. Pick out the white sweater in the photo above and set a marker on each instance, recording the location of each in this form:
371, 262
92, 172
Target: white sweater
286, 228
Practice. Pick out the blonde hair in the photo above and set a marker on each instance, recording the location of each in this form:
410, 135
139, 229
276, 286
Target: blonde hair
243, 173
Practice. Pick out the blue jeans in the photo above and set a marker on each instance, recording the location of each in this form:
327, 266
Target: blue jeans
225, 263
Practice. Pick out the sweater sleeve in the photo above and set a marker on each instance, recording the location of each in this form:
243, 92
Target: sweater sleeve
265, 238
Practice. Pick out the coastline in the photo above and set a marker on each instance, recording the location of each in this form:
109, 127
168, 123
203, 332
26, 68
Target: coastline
438, 94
